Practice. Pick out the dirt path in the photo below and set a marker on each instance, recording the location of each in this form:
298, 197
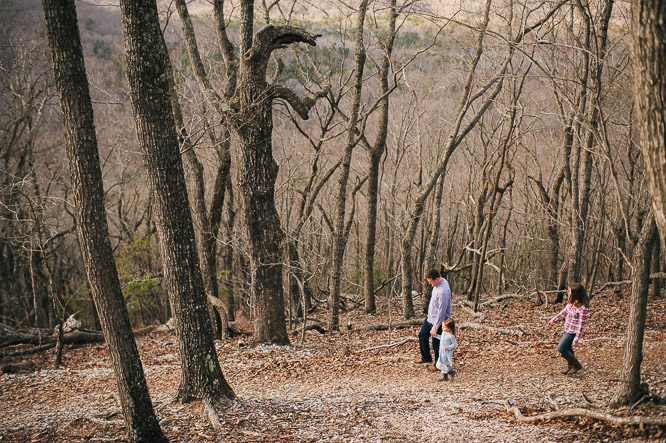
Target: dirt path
328, 390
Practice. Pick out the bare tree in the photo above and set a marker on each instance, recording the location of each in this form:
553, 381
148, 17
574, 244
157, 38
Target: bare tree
248, 110
595, 43
147, 73
630, 389
352, 139
648, 21
86, 175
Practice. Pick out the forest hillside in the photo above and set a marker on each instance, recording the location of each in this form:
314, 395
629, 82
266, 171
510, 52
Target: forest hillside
224, 220
361, 385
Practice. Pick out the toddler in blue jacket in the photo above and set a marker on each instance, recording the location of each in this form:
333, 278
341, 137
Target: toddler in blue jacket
446, 344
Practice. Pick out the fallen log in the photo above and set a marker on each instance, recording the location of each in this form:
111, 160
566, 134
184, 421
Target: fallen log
580, 412
312, 327
480, 316
73, 337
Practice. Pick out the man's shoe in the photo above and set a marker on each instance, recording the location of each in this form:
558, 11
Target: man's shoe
419, 361
432, 369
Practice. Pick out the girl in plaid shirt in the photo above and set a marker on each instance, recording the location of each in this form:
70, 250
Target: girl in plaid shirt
576, 312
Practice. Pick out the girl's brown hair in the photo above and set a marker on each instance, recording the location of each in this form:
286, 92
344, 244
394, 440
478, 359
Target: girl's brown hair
450, 325
578, 295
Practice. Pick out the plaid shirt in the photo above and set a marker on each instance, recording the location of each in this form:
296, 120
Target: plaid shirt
575, 320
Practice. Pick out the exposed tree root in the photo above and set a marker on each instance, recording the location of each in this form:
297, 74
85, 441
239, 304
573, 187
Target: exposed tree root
212, 416
579, 412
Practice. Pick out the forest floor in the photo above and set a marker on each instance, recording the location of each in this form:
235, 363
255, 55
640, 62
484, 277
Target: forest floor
331, 388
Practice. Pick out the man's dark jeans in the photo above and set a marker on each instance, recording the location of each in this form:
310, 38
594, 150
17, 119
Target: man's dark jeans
424, 345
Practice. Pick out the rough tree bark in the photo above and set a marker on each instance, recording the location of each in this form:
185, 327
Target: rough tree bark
147, 73
247, 108
629, 388
648, 47
207, 219
86, 175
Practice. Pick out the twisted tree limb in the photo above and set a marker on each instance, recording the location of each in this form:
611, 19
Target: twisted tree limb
580, 412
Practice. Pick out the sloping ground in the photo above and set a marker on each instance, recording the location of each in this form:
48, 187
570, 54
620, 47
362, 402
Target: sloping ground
330, 389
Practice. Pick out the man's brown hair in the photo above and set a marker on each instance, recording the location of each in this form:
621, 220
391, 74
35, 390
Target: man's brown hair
432, 274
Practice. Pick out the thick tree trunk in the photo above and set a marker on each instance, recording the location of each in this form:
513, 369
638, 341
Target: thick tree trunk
629, 389
147, 73
92, 228
258, 172
657, 283
648, 49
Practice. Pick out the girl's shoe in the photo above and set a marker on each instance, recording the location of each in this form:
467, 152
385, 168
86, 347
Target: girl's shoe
566, 371
576, 367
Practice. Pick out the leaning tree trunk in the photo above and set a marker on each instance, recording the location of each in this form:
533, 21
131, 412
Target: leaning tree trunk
77, 113
648, 48
629, 389
147, 73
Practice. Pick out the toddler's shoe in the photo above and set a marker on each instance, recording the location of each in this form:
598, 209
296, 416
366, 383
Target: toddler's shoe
443, 377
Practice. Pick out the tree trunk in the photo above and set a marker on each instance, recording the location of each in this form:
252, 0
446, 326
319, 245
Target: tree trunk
228, 254
629, 389
582, 186
352, 139
371, 231
656, 267
430, 262
147, 73
648, 49
258, 172
72, 84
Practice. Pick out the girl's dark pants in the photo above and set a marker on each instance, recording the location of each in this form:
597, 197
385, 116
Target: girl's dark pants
565, 347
